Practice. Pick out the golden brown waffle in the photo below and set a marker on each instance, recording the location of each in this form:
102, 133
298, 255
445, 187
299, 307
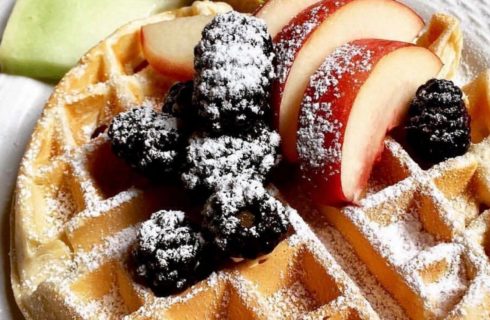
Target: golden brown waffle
413, 233
478, 92
78, 208
77, 213
444, 37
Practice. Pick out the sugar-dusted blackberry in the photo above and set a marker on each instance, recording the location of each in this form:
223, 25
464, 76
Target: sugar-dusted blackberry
244, 220
211, 160
438, 124
234, 72
147, 140
171, 253
178, 101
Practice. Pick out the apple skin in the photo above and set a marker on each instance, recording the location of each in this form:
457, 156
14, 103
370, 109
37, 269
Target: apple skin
313, 16
304, 42
325, 180
329, 191
288, 9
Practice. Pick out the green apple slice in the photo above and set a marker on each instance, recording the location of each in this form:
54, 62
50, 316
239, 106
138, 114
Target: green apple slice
44, 39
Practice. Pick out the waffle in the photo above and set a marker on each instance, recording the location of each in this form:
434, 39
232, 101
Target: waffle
444, 37
77, 213
416, 247
478, 92
411, 235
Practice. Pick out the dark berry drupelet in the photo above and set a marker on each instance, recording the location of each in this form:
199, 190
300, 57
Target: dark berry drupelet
244, 220
212, 160
171, 253
438, 125
178, 102
149, 141
234, 72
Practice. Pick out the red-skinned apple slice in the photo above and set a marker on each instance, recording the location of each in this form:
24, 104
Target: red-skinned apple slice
169, 45
278, 13
360, 92
314, 33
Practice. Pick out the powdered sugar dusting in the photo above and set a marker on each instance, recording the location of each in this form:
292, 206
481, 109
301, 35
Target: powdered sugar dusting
216, 159
462, 268
317, 123
114, 247
234, 71
110, 306
292, 301
447, 287
62, 207
405, 244
289, 41
432, 269
380, 300
101, 208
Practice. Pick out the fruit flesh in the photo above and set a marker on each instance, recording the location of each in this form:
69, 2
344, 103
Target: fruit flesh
44, 39
345, 21
361, 114
169, 45
394, 76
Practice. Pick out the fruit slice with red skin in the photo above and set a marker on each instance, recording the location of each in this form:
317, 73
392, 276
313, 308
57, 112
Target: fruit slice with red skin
169, 45
278, 13
360, 92
313, 34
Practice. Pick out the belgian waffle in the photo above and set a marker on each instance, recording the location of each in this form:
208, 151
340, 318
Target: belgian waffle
78, 208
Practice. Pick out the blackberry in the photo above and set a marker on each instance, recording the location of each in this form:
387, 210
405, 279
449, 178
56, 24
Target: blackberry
148, 141
178, 102
211, 160
438, 125
234, 72
244, 220
170, 252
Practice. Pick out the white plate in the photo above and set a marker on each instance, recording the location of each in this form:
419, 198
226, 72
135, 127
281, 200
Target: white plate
22, 99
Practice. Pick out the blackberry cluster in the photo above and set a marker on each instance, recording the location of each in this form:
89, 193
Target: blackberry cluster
170, 253
149, 141
228, 157
178, 103
232, 158
234, 72
244, 220
210, 160
438, 125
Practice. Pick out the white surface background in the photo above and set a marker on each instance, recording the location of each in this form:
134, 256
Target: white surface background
22, 99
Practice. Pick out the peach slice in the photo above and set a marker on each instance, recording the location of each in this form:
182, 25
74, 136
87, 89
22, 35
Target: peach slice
314, 33
277, 13
169, 45
360, 92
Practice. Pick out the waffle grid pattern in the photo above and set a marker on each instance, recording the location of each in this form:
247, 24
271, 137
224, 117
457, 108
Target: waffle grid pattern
78, 208
413, 234
77, 216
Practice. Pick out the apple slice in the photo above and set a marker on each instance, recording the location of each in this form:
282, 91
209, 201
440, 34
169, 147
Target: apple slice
277, 13
313, 34
169, 45
360, 92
